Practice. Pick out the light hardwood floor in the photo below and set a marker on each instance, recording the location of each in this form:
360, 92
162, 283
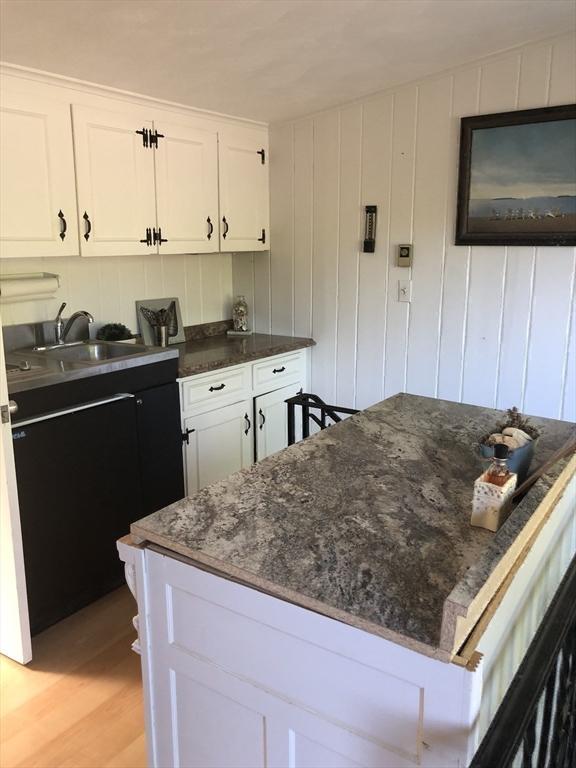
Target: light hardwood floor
79, 703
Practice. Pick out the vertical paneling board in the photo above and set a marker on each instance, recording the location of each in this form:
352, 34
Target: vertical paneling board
348, 248
401, 229
373, 276
430, 189
487, 325
303, 226
281, 227
551, 310
325, 253
465, 98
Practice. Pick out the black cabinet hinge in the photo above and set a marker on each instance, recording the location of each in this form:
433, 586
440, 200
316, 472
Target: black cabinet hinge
186, 436
262, 153
157, 236
146, 137
154, 136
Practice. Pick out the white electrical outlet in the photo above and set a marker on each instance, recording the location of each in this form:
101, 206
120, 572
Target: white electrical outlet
405, 290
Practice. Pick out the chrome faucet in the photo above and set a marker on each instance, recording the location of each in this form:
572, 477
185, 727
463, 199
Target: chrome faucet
71, 320
59, 325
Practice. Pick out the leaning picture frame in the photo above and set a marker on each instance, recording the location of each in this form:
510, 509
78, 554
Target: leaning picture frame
517, 178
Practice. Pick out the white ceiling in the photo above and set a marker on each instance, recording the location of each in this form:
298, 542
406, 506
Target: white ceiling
266, 59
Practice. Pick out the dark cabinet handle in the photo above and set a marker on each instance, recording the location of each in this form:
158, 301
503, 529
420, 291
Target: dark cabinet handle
279, 370
248, 422
186, 436
217, 389
64, 225
263, 238
226, 225
262, 417
88, 226
211, 228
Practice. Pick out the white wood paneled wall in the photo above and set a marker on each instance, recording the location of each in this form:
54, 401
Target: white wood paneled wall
108, 286
492, 326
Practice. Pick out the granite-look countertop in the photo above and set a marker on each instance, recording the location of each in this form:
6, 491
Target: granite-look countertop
367, 522
212, 352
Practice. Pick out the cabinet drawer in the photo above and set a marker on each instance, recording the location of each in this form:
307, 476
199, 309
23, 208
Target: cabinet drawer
215, 388
279, 371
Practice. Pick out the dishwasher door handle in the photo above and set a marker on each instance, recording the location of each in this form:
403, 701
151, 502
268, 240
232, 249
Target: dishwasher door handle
73, 409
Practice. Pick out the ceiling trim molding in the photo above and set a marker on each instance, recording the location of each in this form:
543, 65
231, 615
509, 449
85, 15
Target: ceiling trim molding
85, 86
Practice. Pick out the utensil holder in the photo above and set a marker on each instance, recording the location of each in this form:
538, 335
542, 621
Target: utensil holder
161, 333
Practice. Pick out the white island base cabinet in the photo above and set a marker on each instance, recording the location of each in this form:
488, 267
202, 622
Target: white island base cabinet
237, 678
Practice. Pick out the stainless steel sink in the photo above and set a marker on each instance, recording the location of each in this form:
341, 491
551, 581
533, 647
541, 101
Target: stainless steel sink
90, 352
96, 352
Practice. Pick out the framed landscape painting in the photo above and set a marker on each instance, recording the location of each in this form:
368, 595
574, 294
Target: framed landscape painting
517, 179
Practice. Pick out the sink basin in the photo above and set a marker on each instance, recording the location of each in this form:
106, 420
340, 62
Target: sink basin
92, 352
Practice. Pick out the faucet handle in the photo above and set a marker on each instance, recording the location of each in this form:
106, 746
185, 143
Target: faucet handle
60, 311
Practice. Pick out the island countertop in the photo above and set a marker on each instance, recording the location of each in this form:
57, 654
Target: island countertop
367, 522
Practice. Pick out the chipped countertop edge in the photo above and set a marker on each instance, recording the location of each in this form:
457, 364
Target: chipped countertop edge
167, 547
463, 603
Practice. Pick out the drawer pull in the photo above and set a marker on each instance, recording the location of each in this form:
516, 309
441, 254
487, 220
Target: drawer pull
248, 424
217, 389
279, 370
64, 226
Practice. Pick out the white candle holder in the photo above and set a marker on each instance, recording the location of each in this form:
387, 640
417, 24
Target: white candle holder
489, 508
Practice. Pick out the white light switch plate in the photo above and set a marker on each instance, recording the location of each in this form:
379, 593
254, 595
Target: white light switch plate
405, 290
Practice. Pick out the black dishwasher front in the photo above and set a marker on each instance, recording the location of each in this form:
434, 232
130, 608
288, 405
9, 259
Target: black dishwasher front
92, 456
78, 489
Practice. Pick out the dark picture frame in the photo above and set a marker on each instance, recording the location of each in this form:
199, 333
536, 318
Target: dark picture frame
517, 178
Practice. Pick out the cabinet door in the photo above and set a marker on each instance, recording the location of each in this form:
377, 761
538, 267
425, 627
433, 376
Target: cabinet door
187, 189
37, 192
244, 217
115, 178
271, 420
219, 444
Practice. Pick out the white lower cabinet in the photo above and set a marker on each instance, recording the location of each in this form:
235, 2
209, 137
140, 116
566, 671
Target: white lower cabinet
219, 443
237, 415
271, 420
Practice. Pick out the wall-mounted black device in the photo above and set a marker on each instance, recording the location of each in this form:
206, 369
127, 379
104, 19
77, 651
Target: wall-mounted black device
370, 229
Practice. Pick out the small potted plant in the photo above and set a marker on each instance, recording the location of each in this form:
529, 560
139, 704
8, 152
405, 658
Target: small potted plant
115, 332
519, 435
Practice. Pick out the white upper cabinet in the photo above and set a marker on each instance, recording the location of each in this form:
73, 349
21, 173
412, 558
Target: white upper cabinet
115, 181
37, 192
187, 188
244, 214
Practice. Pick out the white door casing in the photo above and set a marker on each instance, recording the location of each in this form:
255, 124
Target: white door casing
187, 188
244, 205
115, 182
37, 179
15, 639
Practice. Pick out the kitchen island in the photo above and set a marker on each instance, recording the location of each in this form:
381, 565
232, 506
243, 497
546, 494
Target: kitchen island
330, 605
